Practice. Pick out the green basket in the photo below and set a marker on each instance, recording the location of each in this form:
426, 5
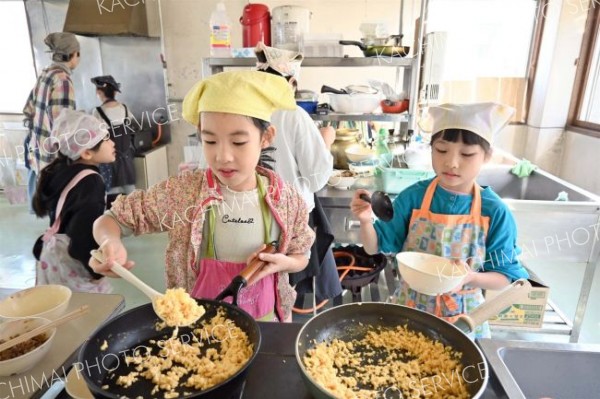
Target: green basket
395, 180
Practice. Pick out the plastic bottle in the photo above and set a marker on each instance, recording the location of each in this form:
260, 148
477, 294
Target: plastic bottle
383, 151
220, 32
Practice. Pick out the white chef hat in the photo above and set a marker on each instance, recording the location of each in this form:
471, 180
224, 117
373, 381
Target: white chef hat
76, 132
285, 62
483, 119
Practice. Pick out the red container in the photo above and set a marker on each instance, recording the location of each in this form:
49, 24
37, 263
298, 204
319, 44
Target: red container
256, 24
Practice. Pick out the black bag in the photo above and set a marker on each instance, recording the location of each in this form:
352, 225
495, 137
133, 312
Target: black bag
123, 170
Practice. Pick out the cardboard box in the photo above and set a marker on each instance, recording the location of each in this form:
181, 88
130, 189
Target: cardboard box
528, 313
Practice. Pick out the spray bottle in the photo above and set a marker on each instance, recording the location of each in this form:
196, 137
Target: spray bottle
220, 32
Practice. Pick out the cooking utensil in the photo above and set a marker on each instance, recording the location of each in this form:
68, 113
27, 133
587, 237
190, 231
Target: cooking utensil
352, 321
379, 51
351, 89
241, 280
137, 327
46, 327
381, 205
136, 282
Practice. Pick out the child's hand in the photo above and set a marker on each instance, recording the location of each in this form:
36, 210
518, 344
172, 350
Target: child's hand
361, 209
113, 250
460, 265
274, 263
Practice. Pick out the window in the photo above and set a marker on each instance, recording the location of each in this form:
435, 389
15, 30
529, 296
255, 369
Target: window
585, 104
18, 72
488, 49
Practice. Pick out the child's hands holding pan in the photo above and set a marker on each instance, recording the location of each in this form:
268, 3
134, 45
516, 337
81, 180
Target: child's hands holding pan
275, 263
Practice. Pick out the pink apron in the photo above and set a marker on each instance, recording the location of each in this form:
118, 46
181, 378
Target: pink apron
451, 236
215, 275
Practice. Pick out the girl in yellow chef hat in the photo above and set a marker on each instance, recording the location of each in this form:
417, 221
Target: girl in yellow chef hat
220, 217
451, 215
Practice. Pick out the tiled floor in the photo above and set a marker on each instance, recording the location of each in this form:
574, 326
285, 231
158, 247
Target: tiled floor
19, 229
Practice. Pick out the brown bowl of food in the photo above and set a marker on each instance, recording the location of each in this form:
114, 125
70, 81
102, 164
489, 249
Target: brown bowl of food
23, 356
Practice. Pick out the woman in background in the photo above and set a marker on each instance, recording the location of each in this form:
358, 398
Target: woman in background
120, 177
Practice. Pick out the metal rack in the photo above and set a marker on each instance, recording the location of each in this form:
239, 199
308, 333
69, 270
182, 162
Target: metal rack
211, 66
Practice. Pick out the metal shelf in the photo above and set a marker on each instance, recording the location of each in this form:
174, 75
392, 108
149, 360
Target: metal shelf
406, 62
332, 116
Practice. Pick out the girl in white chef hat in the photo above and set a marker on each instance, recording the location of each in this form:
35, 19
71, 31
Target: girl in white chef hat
218, 218
71, 192
451, 215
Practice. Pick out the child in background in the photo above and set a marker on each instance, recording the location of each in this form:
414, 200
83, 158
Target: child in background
451, 215
220, 217
71, 191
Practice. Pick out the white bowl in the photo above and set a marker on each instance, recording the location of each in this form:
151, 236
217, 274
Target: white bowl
359, 153
341, 182
429, 274
27, 360
354, 103
75, 385
48, 301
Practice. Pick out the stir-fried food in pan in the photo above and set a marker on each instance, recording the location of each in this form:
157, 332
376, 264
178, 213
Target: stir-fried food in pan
387, 360
216, 351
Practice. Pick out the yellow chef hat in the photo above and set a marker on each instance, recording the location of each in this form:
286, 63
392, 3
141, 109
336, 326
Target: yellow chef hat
250, 93
483, 119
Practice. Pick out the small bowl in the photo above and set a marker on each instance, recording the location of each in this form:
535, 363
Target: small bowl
342, 182
429, 274
29, 359
47, 301
394, 107
359, 153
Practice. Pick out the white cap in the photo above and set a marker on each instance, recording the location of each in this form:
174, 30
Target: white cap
483, 119
77, 132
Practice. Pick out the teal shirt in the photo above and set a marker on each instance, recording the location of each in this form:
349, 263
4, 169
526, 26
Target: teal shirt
501, 241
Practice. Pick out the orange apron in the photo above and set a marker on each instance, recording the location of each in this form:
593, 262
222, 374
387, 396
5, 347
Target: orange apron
460, 237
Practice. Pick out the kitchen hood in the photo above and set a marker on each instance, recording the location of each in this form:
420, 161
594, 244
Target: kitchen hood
113, 18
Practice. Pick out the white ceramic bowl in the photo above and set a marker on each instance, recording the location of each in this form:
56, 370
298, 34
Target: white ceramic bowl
354, 103
359, 153
429, 274
341, 182
26, 361
48, 301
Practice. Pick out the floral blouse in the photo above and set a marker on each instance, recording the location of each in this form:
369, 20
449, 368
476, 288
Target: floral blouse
178, 206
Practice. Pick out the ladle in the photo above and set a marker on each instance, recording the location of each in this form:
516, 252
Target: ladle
139, 284
381, 204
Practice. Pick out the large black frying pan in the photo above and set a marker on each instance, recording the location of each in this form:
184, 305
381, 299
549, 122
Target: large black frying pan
352, 321
379, 51
137, 327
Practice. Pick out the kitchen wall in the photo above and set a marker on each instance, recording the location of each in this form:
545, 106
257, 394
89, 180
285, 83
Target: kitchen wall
570, 155
133, 61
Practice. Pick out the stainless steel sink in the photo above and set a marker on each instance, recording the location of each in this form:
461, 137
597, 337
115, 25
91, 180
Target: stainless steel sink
539, 186
536, 370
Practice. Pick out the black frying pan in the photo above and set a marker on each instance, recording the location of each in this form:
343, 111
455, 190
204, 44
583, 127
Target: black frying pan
379, 51
352, 321
136, 327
